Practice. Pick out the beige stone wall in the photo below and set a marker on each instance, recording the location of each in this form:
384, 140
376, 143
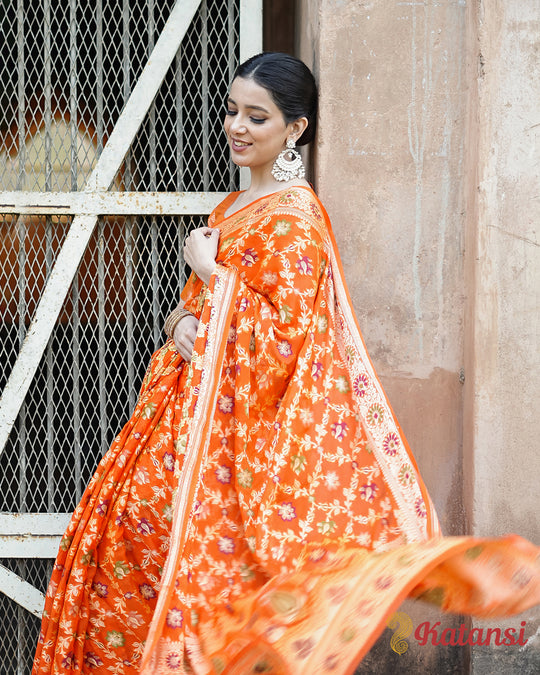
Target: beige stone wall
389, 168
502, 390
503, 397
428, 162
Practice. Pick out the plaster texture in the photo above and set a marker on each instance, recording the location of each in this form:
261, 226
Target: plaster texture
502, 347
389, 168
428, 162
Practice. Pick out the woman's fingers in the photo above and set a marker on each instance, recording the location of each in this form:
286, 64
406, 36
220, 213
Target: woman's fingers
184, 336
200, 251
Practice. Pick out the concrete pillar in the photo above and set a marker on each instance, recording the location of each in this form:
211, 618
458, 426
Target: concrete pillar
427, 161
502, 392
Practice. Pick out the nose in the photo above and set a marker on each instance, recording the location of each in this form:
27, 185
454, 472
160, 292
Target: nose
238, 125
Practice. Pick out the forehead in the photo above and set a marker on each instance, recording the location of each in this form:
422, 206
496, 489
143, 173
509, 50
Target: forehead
246, 92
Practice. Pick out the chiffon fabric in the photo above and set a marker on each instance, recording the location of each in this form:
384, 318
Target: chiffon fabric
261, 511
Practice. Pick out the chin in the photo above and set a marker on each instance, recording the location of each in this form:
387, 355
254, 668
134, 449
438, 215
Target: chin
240, 161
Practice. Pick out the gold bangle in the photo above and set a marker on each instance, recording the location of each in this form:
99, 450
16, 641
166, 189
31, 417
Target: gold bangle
173, 320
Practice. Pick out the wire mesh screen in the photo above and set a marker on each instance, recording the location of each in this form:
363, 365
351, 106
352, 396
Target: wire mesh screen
21, 629
88, 380
67, 70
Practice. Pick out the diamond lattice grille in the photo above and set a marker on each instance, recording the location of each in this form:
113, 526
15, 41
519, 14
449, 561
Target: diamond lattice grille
67, 70
21, 629
87, 382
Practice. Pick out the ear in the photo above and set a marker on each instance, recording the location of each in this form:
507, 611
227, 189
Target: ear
297, 128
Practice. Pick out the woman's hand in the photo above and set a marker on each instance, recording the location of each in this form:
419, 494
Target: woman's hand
200, 251
184, 336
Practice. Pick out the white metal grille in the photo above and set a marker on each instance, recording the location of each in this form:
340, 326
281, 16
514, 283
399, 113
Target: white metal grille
88, 380
20, 627
67, 72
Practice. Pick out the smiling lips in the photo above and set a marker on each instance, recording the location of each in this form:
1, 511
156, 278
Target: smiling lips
238, 145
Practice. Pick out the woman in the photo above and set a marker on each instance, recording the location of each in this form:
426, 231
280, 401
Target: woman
261, 511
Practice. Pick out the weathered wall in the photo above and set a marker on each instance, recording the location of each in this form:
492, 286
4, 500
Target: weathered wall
389, 170
427, 160
502, 393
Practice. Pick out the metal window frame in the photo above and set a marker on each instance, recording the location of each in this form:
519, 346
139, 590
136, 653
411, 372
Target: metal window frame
38, 535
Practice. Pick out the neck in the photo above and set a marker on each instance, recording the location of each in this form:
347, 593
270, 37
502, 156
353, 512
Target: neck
262, 182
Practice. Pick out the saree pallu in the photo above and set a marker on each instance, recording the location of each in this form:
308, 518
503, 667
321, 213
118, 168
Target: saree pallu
261, 511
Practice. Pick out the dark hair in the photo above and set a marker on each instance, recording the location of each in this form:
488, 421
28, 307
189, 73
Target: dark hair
291, 85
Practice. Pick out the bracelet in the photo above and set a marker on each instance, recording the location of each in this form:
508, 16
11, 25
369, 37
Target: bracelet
174, 319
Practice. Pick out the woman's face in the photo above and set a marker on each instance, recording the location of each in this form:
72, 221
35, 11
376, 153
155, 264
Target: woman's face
255, 126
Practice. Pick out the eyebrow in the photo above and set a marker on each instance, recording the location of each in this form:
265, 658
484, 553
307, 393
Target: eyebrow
250, 107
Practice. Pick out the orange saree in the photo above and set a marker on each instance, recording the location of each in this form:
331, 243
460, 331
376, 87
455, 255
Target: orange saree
261, 510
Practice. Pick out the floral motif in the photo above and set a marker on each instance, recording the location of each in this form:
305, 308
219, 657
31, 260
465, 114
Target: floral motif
298, 463
287, 198
420, 508
226, 545
342, 384
406, 475
360, 384
384, 582
232, 335
147, 591
306, 416
121, 569
69, 661
142, 475
144, 526
223, 474
331, 480
91, 660
304, 265
285, 314
148, 411
317, 554
287, 511
316, 369
101, 509
175, 618
282, 228
245, 478
101, 589
375, 414
326, 527
331, 662
303, 648
226, 404
337, 594
391, 444
368, 491
284, 348
249, 257
339, 430
65, 543
167, 512
322, 323
174, 660
115, 638
168, 461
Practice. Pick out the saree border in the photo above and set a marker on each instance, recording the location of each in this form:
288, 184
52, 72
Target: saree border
400, 469
209, 351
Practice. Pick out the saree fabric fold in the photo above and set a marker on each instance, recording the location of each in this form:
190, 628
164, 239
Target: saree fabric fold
261, 510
